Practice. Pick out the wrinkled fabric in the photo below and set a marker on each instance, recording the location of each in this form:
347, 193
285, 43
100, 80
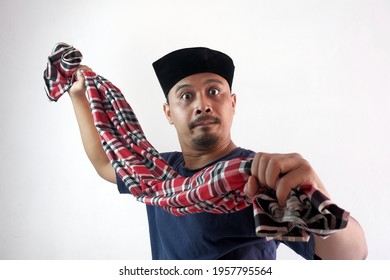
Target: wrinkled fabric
217, 189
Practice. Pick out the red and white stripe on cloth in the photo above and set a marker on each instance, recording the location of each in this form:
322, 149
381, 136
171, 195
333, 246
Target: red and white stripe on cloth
217, 189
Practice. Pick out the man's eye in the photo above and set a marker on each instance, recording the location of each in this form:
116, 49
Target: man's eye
186, 96
214, 91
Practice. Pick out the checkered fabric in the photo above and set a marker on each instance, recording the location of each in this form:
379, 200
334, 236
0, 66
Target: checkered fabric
216, 189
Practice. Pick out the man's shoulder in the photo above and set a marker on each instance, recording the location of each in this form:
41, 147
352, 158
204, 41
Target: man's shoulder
171, 155
175, 159
241, 152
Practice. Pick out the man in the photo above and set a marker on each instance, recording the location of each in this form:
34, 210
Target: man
197, 85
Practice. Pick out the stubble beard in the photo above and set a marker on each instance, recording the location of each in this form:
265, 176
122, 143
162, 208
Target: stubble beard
205, 141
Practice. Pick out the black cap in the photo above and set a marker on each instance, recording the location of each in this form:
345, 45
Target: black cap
181, 63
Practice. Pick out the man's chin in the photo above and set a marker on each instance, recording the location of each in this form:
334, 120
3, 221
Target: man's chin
205, 141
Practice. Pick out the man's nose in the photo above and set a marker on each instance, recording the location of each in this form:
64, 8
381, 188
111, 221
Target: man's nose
203, 105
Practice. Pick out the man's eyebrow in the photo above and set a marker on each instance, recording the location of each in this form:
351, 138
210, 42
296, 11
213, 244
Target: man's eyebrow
213, 81
205, 82
182, 86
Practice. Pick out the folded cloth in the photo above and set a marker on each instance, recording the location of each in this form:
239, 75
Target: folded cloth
216, 189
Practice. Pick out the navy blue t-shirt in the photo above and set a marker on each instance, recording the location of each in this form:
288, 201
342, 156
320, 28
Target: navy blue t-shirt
206, 236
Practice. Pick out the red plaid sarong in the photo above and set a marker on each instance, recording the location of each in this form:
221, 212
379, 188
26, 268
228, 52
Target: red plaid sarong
216, 189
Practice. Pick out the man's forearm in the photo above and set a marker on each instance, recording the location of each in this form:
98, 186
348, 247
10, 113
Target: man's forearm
349, 243
91, 139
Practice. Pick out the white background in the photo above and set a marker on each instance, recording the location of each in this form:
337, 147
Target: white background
311, 77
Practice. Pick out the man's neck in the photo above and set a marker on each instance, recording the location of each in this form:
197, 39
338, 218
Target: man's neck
195, 159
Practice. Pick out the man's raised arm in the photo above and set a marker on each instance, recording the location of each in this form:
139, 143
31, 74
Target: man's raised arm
89, 135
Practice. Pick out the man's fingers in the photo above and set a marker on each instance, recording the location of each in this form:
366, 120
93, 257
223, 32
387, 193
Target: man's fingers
79, 75
81, 69
255, 165
281, 172
268, 168
78, 88
252, 187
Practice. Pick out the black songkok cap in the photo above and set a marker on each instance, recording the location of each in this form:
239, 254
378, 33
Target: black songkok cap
179, 64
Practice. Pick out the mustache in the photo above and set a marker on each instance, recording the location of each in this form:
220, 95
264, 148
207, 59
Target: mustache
202, 119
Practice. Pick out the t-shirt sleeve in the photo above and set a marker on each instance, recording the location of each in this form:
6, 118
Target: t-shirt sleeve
121, 186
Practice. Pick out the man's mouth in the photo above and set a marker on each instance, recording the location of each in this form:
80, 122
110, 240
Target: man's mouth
204, 121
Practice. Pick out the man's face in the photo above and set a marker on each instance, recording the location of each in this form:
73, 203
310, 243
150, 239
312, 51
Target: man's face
201, 107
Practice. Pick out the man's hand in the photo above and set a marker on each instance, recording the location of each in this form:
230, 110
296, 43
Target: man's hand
78, 88
281, 172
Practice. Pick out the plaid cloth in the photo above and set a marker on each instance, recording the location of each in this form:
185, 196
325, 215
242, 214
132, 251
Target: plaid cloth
216, 189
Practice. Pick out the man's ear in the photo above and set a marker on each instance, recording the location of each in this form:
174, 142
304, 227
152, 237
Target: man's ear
167, 111
234, 99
